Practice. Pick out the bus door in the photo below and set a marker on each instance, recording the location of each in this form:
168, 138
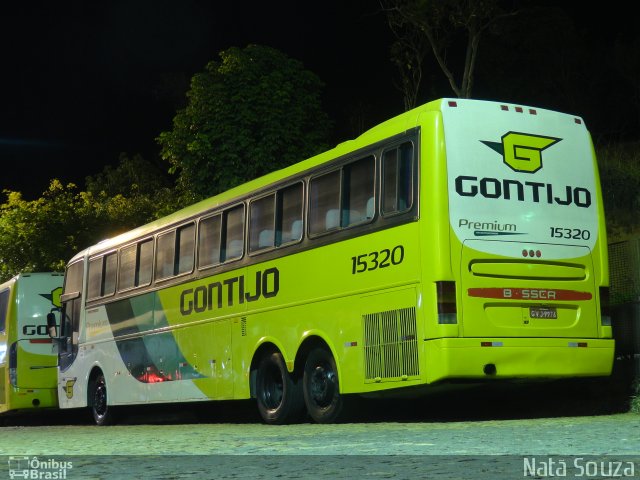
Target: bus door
71, 300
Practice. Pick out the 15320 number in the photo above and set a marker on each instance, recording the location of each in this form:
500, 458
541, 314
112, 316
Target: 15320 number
570, 233
374, 260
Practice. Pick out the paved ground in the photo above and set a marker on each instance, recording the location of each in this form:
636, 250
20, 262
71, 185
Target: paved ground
467, 449
471, 433
590, 435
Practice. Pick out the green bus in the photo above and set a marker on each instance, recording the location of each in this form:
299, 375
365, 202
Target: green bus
461, 240
28, 356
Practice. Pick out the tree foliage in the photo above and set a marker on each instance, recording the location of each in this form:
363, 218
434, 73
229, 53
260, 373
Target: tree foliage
251, 112
619, 166
136, 182
132, 175
407, 53
43, 234
40, 235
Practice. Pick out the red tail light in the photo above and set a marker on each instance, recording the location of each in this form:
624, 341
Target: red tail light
605, 313
447, 308
13, 364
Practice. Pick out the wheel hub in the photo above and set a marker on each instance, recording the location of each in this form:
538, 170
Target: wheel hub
322, 385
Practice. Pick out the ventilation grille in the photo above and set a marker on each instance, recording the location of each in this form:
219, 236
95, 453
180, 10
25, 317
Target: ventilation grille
243, 326
623, 268
390, 344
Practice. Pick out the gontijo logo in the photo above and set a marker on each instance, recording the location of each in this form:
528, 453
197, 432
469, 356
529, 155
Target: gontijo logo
522, 152
54, 296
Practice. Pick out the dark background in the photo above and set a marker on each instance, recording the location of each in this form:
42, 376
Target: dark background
82, 82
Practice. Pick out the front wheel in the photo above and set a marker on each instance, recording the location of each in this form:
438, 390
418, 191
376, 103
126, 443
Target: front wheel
102, 413
321, 388
278, 393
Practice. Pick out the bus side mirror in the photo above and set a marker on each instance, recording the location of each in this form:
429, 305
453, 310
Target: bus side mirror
51, 325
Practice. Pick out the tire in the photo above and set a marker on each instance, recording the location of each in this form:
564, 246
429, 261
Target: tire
321, 388
103, 414
279, 395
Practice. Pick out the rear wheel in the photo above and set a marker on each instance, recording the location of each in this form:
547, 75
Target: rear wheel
279, 395
102, 413
322, 389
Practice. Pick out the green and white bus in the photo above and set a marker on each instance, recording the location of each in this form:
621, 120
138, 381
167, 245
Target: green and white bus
28, 356
462, 240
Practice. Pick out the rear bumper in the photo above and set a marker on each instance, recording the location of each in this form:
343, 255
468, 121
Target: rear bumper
31, 398
483, 358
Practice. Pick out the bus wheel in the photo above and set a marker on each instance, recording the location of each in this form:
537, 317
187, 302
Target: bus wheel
102, 413
279, 396
321, 387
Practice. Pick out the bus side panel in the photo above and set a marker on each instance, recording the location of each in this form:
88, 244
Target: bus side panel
209, 349
340, 301
35, 366
7, 337
286, 301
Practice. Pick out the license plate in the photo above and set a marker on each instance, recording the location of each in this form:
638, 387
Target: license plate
543, 312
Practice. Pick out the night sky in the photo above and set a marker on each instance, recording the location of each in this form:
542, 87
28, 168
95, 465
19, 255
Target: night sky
83, 81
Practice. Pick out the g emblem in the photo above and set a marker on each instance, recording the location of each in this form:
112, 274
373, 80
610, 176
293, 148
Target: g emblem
522, 152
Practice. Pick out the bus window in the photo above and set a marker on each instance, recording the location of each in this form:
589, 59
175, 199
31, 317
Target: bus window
94, 282
145, 263
262, 219
4, 306
397, 179
73, 278
234, 233
324, 203
358, 195
71, 313
135, 266
209, 241
110, 269
342, 198
102, 276
165, 255
290, 202
127, 273
185, 251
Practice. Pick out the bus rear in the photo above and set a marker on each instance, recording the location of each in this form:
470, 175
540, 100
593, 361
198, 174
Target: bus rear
527, 246
28, 367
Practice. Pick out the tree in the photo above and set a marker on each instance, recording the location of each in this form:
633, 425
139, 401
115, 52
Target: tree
619, 166
253, 111
407, 53
441, 22
131, 175
138, 183
43, 234
627, 64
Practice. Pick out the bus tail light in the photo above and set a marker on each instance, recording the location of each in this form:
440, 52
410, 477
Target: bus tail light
13, 364
605, 312
447, 308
